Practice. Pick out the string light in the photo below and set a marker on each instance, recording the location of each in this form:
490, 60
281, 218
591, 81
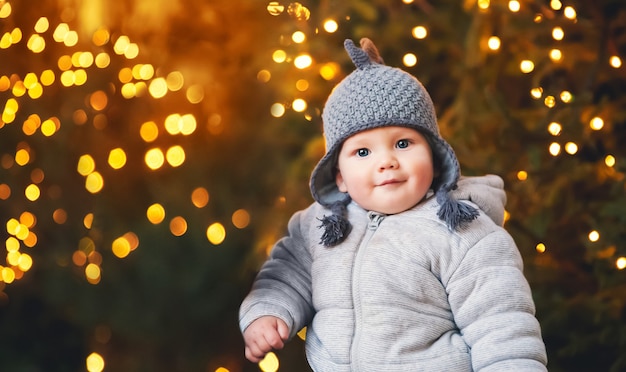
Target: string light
494, 43
596, 123
330, 26
514, 6
419, 32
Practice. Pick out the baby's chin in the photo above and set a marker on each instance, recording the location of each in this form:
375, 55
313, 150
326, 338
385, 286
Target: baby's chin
391, 209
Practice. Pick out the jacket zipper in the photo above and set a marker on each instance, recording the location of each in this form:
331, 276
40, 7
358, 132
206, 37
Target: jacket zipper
374, 220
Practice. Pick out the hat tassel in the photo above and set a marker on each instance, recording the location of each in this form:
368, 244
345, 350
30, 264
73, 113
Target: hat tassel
336, 226
454, 212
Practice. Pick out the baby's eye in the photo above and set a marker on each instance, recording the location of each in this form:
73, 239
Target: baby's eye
362, 152
402, 144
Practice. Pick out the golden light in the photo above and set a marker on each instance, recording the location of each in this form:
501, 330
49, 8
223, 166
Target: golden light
540, 248
94, 182
120, 247
24, 262
303, 61
527, 66
299, 11
594, 236
36, 43
330, 26
216, 233
569, 12
200, 197
609, 160
71, 39
549, 101
302, 85
92, 272
50, 126
241, 218
494, 43
175, 80
277, 110
125, 75
100, 37
85, 59
12, 226
189, 124
59, 216
596, 123
279, 56
554, 149
615, 61
555, 128
144, 72
556, 4
299, 105
149, 131
30, 240
155, 213
275, 8
558, 33
298, 37
12, 244
620, 263
86, 165
419, 32
8, 275
264, 76
117, 158
154, 158
175, 156
5, 10
178, 226
522, 175
47, 78
158, 88
195, 93
32, 192
566, 96
329, 71
22, 157
98, 100
514, 6
94, 363
571, 148
409, 60
556, 55
88, 221
103, 60
269, 363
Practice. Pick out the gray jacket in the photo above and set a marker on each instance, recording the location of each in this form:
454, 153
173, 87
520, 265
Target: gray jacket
402, 293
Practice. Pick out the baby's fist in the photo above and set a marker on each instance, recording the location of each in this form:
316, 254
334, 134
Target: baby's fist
263, 335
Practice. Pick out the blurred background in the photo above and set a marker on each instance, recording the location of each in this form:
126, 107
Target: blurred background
152, 151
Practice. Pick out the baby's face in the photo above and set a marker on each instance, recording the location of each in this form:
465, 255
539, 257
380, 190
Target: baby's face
386, 170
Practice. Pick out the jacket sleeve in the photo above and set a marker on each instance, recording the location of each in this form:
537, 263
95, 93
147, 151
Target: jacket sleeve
493, 307
282, 287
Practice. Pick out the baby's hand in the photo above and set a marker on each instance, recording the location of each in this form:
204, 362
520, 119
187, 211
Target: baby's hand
263, 335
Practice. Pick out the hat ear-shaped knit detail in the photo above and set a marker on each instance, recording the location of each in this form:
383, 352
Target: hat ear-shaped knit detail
365, 56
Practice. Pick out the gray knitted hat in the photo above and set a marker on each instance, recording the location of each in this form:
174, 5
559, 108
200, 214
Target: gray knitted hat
373, 96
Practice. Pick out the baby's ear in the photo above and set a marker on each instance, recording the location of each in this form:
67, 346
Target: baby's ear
339, 181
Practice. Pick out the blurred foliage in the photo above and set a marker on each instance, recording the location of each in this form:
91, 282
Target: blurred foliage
171, 305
